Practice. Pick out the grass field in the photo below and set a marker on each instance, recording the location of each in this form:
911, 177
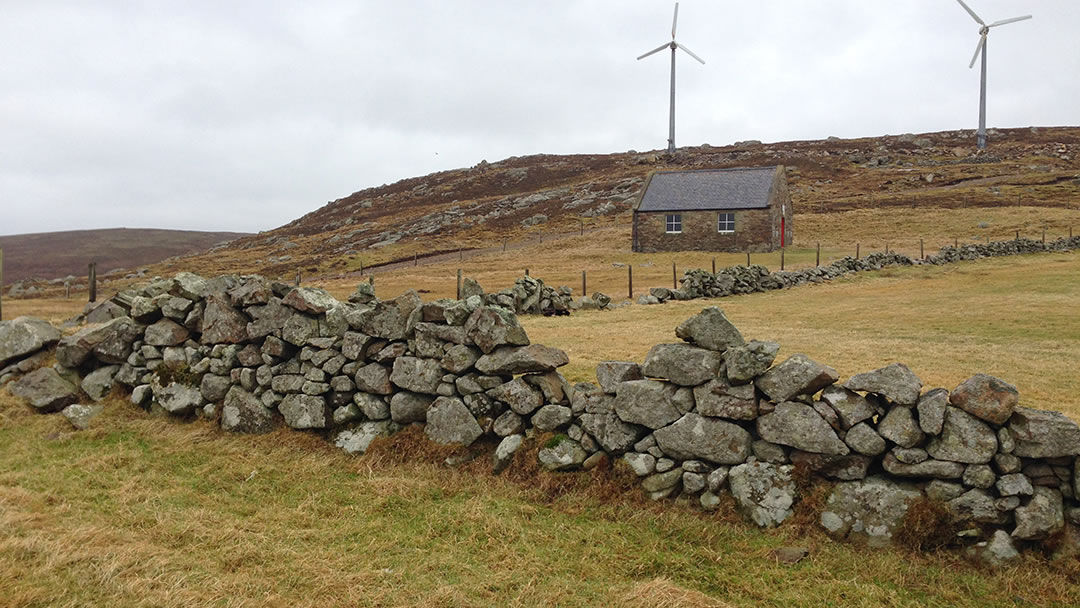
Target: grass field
145, 511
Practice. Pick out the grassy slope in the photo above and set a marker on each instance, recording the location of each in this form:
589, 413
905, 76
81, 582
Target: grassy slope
145, 511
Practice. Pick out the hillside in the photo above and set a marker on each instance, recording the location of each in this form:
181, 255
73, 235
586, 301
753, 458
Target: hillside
49, 255
904, 183
521, 198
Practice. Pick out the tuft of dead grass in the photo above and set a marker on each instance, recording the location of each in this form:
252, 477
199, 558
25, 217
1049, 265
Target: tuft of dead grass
663, 593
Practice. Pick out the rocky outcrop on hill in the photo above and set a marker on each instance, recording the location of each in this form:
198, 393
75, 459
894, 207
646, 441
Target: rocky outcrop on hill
712, 414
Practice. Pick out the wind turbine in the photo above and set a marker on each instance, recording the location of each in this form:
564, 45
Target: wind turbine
672, 45
984, 29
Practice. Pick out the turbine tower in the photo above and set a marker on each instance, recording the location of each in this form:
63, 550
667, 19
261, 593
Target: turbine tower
984, 29
672, 45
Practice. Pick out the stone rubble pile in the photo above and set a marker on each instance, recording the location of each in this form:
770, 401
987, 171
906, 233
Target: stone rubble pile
710, 415
737, 280
528, 296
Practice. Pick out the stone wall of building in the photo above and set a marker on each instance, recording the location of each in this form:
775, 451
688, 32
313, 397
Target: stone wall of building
753, 232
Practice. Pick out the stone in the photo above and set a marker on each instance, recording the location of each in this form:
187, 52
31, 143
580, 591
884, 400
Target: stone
863, 439
709, 501
1007, 463
931, 408
851, 407
373, 378
251, 292
662, 481
998, 552
943, 491
519, 395
416, 374
646, 402
899, 426
166, 332
460, 358
311, 300
744, 363
1043, 434
610, 373
406, 407
347, 413
449, 422
1006, 443
373, 407
769, 452
490, 327
24, 336
845, 468
222, 324
799, 426
552, 385
640, 464
682, 364
268, 319
910, 455
305, 411
300, 328
176, 398
98, 383
141, 394
986, 397
798, 375
508, 423
940, 469
979, 476
80, 415
287, 383
869, 511
710, 329
717, 479
510, 360
963, 438
504, 452
789, 555
355, 344
976, 506
359, 439
389, 319
694, 437
692, 483
243, 412
109, 342
188, 285
614, 435
551, 417
105, 311
663, 465
716, 398
764, 493
1014, 484
896, 382
1041, 517
562, 454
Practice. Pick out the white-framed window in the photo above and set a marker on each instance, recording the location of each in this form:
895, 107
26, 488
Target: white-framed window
725, 222
673, 223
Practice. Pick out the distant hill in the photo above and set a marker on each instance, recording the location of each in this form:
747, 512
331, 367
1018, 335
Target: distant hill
49, 255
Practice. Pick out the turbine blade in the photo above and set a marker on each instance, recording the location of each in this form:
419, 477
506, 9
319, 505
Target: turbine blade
978, 49
691, 53
971, 12
674, 20
656, 50
1013, 20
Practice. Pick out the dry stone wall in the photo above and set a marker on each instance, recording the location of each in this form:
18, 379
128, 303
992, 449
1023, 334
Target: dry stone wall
708, 415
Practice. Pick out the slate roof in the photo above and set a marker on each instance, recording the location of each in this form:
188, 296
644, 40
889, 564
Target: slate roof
707, 190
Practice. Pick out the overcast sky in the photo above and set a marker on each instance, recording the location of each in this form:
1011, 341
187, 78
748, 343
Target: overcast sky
212, 115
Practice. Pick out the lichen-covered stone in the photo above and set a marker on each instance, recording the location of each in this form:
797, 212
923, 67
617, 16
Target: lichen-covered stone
694, 437
896, 382
799, 426
764, 493
986, 397
798, 375
870, 510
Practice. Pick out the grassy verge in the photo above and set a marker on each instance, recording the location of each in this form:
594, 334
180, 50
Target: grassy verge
149, 512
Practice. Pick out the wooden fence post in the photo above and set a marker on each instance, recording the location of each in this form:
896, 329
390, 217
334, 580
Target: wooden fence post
922, 252
748, 258
414, 262
504, 246
630, 279
67, 291
582, 227
714, 265
856, 251
371, 280
781, 258
91, 280
361, 267
956, 242
817, 260
584, 289
1044, 236
458, 283
541, 238
297, 277
674, 279
1017, 235
526, 272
